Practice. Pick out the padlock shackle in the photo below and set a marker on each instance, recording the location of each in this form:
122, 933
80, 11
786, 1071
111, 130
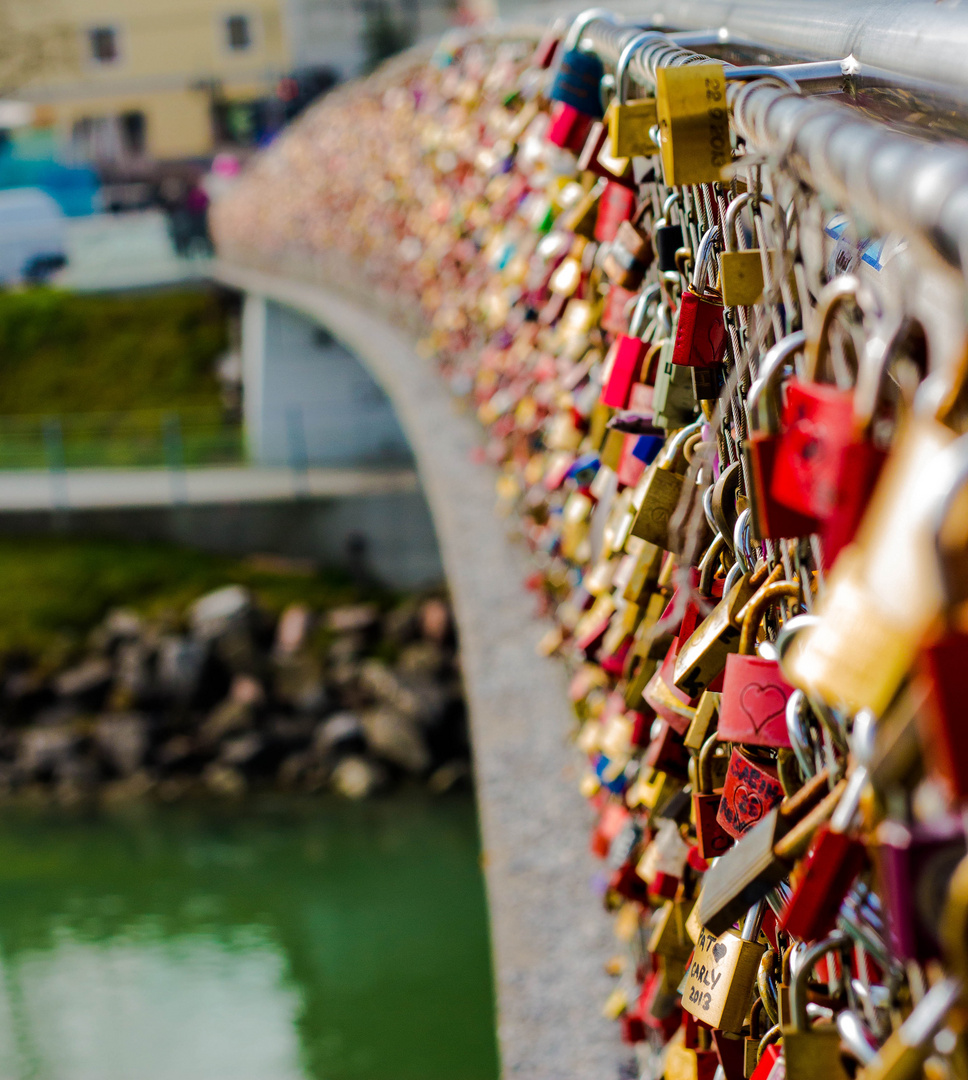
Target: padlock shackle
798, 732
707, 249
879, 352
704, 767
753, 923
761, 401
640, 310
742, 541
674, 199
622, 67
805, 965
730, 238
707, 564
833, 296
756, 608
679, 440
581, 21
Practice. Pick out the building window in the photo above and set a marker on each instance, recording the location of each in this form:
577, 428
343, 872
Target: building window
238, 33
103, 41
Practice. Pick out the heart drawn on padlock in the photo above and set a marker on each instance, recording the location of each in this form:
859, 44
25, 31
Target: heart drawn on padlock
719, 951
749, 806
762, 703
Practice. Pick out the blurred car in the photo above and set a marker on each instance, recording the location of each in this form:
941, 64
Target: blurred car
33, 236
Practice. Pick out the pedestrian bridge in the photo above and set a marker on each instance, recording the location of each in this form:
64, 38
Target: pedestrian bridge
550, 943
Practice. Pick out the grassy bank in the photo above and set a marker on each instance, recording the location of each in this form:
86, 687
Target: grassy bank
67, 353
52, 591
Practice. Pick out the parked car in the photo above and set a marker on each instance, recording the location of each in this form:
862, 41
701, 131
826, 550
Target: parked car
33, 236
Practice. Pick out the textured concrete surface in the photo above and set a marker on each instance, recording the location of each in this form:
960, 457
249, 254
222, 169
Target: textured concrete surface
550, 936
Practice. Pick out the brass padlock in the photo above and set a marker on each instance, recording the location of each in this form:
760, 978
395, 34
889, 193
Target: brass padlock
693, 123
658, 494
740, 272
722, 975
703, 656
630, 123
812, 1051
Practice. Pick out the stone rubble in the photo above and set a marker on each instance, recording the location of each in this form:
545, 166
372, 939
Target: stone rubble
352, 700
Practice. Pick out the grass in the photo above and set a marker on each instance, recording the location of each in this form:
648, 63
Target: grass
67, 353
53, 590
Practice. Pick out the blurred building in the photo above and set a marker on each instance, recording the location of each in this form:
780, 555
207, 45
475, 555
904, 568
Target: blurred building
127, 82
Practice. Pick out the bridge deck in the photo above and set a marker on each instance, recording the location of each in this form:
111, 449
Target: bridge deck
90, 489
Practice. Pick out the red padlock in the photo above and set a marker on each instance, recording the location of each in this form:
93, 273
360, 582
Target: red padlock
712, 839
623, 364
769, 518
830, 867
826, 463
751, 790
616, 205
700, 340
755, 694
568, 127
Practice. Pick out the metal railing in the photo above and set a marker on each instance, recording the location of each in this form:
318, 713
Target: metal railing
144, 438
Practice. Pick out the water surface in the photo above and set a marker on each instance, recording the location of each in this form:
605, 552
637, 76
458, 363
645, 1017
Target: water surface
295, 940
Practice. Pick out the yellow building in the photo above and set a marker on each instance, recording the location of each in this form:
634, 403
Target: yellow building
123, 80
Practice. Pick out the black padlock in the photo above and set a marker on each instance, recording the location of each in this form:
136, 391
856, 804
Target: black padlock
667, 240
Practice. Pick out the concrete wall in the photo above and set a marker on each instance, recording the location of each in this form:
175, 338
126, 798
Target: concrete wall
399, 547
309, 401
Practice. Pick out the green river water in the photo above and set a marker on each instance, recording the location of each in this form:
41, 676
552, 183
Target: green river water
290, 940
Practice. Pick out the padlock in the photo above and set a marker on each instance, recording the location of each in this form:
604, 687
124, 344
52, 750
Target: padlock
813, 473
666, 751
702, 657
673, 398
568, 127
915, 865
877, 611
904, 1054
812, 1051
658, 494
705, 722
755, 694
770, 519
681, 1062
623, 364
751, 1042
630, 123
752, 788
722, 974
616, 205
740, 272
578, 78
758, 862
694, 141
667, 237
836, 857
629, 256
712, 838
700, 331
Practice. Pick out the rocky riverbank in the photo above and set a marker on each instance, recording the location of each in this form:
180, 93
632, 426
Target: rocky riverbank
226, 698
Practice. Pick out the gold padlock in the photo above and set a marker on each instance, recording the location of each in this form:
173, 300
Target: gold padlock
693, 123
812, 1051
722, 975
703, 655
630, 123
740, 272
658, 493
